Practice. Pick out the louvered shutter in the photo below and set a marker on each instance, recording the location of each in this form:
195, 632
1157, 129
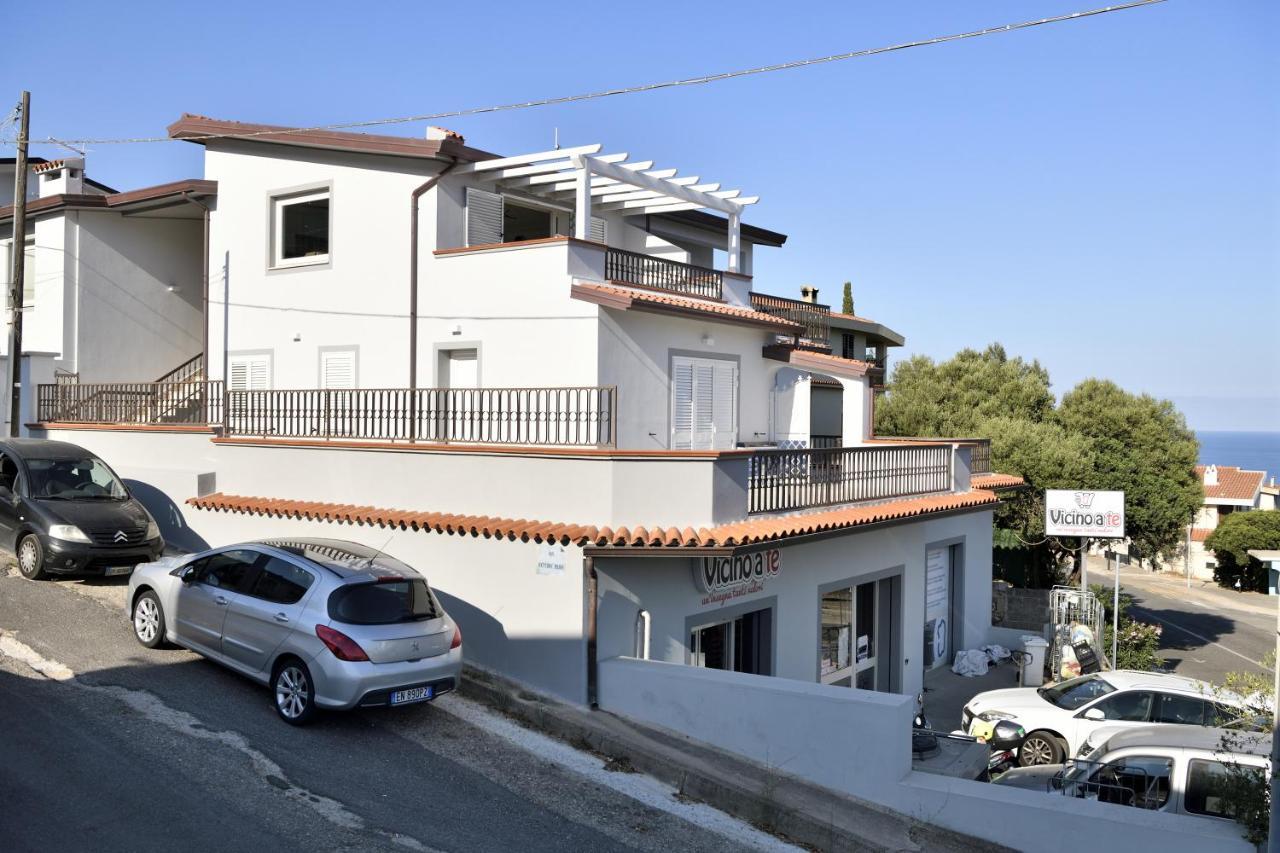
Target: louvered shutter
599, 230
338, 369
249, 372
724, 406
681, 404
484, 217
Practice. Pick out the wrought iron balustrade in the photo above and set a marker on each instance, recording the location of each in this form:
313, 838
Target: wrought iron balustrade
813, 317
627, 267
787, 480
130, 403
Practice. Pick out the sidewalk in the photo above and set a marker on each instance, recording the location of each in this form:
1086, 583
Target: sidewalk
1173, 584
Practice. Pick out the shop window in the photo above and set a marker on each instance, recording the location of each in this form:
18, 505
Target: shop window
742, 644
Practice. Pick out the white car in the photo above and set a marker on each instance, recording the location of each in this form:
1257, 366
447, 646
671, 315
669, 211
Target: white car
1059, 718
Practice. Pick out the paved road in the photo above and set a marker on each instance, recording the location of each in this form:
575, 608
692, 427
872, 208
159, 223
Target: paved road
106, 746
1207, 631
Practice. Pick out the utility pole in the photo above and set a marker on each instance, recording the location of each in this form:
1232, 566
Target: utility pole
1273, 835
18, 255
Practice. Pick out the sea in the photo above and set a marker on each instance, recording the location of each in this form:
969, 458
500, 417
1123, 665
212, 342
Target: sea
1254, 451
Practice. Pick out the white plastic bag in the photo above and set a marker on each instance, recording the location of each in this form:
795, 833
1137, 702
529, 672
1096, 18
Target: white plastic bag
970, 663
997, 653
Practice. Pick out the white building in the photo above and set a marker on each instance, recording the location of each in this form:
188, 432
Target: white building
113, 281
1227, 489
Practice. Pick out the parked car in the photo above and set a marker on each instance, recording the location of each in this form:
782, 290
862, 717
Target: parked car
325, 623
1177, 769
1058, 718
64, 511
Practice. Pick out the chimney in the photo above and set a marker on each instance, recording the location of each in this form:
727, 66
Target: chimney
809, 293
60, 177
440, 133
1211, 475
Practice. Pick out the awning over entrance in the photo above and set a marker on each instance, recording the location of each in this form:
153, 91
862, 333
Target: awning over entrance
611, 182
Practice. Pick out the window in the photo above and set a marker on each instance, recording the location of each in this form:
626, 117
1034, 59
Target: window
1070, 695
338, 368
743, 644
837, 634
28, 273
1187, 710
385, 602
281, 582
484, 217
1132, 706
8, 473
300, 229
1207, 783
227, 570
704, 403
249, 372
75, 479
460, 368
1135, 780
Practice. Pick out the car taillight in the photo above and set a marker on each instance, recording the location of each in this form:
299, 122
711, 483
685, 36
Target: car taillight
457, 638
342, 646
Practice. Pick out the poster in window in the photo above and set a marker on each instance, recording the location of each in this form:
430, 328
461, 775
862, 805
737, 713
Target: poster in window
937, 597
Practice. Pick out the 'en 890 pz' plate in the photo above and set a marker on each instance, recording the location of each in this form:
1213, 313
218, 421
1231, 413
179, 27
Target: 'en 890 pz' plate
413, 694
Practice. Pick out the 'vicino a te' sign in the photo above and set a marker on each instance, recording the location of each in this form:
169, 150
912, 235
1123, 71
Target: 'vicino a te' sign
723, 578
1095, 515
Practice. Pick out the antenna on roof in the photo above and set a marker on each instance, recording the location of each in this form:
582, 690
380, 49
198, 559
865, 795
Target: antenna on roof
556, 138
82, 152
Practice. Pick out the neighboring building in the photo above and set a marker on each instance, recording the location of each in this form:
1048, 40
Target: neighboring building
1226, 490
547, 398
113, 284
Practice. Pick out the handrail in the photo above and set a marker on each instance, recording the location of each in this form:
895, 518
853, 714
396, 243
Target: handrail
187, 371
130, 403
787, 480
813, 316
980, 457
627, 267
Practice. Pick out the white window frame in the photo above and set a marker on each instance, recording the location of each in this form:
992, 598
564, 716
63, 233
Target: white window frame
29, 271
281, 200
266, 357
327, 352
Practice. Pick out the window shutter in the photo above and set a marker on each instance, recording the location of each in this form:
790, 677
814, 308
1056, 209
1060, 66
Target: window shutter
599, 230
484, 217
338, 369
681, 404
249, 372
724, 406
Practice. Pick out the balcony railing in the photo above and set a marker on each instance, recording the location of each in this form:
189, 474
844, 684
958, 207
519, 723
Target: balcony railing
574, 417
979, 455
815, 318
649, 271
788, 480
131, 403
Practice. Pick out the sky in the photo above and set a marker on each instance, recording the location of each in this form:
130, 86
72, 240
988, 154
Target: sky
1102, 195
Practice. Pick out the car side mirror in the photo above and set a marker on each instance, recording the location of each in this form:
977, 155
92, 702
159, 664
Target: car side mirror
1094, 714
187, 575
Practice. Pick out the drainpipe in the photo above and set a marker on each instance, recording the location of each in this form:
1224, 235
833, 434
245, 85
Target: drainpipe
413, 294
592, 582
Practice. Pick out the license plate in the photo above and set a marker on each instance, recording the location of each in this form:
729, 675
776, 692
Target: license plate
118, 570
413, 694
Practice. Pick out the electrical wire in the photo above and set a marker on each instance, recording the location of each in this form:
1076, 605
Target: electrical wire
630, 90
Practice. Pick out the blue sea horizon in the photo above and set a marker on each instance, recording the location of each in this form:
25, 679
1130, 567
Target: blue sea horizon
1253, 451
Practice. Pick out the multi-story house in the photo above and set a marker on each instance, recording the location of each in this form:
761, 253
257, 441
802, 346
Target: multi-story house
1227, 489
113, 284
527, 376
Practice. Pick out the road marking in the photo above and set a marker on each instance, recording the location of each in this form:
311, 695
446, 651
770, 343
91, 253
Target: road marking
636, 786
1200, 637
152, 708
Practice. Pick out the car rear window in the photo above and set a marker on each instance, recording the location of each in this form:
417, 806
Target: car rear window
383, 602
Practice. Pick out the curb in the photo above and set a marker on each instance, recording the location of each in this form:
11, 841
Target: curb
807, 815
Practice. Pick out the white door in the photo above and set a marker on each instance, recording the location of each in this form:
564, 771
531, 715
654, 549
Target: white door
461, 369
704, 403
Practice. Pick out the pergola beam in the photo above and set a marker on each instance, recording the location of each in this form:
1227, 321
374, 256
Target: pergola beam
555, 167
520, 159
591, 165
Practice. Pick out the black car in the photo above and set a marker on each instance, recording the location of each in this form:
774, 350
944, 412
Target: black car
64, 511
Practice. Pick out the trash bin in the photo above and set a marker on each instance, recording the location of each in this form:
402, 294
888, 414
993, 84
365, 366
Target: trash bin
1032, 674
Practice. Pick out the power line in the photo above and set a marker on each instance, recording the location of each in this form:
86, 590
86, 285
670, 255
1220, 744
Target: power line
630, 90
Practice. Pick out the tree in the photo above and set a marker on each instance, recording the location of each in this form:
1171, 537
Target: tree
1143, 447
952, 398
1246, 789
1232, 540
847, 306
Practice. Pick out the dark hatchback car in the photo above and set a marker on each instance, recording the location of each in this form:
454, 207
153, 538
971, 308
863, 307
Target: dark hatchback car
64, 511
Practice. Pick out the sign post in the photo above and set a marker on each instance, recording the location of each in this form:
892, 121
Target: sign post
1090, 515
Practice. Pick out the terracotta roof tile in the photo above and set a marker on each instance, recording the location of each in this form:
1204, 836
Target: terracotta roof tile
996, 481
751, 531
624, 298
1199, 534
1233, 483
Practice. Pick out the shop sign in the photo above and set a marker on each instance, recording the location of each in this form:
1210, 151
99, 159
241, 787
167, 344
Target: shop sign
1094, 515
551, 559
723, 578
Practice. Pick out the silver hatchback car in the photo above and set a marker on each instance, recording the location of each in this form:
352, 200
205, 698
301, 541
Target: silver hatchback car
325, 623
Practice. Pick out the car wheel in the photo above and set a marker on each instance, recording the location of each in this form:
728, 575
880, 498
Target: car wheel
1040, 748
294, 692
148, 620
31, 557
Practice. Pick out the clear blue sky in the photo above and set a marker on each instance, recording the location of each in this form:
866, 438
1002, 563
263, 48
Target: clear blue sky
1101, 194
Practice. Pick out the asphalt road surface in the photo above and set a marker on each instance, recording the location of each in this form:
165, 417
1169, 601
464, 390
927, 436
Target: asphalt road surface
108, 746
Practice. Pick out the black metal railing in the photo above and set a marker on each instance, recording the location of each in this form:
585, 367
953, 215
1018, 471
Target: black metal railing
787, 480
572, 417
979, 454
813, 317
191, 370
649, 271
131, 403
825, 442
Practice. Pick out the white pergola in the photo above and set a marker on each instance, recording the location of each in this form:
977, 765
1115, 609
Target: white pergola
604, 182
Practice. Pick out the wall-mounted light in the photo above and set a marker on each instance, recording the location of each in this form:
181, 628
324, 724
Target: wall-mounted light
297, 336
456, 330
708, 340
173, 288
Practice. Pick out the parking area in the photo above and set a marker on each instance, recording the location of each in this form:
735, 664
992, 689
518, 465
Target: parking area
946, 694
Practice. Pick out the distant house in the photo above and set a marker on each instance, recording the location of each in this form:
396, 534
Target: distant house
1227, 489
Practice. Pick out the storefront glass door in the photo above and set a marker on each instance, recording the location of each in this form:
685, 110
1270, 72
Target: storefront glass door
849, 646
741, 644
